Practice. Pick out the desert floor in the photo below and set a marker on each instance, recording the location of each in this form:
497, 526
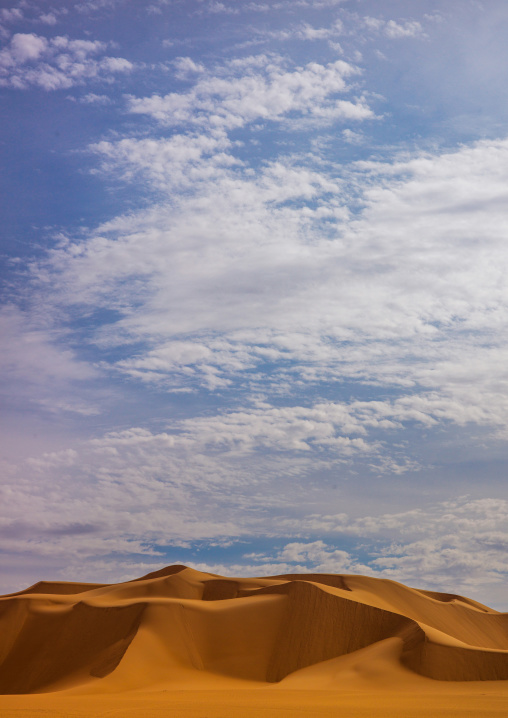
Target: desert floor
474, 700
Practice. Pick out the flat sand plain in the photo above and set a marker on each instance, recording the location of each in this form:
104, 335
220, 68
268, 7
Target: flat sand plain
179, 642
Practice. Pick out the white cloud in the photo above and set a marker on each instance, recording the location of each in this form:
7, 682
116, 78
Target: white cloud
91, 98
257, 7
13, 14
324, 3
302, 31
90, 6
291, 4
410, 28
462, 540
344, 429
393, 29
353, 138
308, 32
214, 7
266, 92
283, 429
295, 557
57, 63
179, 161
48, 18
186, 67
25, 47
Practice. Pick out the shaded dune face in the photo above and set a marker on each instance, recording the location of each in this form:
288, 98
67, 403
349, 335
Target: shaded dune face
178, 624
48, 643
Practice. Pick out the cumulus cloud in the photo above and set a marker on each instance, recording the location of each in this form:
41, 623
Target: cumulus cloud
56, 63
48, 18
13, 14
24, 47
186, 67
286, 429
176, 162
266, 92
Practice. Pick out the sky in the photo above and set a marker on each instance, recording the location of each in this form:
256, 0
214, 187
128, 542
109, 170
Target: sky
254, 302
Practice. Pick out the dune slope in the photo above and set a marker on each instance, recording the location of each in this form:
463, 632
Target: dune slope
180, 627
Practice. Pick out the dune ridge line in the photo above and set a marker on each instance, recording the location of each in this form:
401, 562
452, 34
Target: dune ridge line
182, 627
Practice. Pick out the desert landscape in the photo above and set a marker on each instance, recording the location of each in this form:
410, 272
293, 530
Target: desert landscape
179, 642
253, 341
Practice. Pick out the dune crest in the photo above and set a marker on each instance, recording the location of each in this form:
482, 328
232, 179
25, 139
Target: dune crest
179, 626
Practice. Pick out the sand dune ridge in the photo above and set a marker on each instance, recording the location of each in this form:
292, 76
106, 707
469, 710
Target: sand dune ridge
179, 624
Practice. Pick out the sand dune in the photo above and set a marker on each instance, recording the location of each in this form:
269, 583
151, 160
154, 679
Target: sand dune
179, 629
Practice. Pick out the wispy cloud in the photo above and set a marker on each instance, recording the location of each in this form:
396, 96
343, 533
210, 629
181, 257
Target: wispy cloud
378, 303
300, 31
91, 98
37, 367
394, 29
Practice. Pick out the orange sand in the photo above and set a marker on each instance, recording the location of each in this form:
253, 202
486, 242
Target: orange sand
183, 643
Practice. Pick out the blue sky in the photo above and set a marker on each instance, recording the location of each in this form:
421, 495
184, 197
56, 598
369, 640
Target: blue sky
254, 299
